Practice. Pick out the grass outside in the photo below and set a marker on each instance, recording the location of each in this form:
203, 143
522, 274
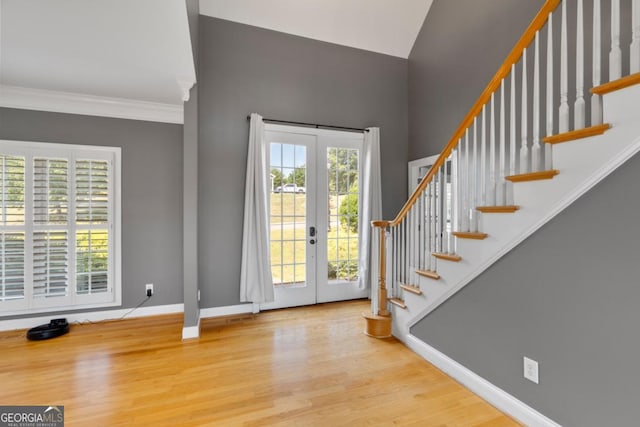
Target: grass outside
342, 253
288, 241
290, 205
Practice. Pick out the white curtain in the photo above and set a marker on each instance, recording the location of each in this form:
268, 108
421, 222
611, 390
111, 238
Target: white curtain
256, 284
371, 207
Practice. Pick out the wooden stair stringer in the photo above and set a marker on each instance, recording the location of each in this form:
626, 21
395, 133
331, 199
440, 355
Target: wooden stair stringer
582, 165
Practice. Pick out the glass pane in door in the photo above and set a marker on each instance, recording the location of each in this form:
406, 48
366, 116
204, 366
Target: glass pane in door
343, 207
288, 211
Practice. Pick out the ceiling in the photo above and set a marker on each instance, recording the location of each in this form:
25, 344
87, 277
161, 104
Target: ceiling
132, 58
122, 49
384, 26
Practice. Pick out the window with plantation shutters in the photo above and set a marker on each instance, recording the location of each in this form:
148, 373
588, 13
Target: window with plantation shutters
59, 227
92, 218
12, 228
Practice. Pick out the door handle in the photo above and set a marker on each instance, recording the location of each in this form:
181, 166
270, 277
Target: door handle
312, 231
312, 241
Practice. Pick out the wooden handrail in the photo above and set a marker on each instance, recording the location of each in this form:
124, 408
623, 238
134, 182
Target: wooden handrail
504, 70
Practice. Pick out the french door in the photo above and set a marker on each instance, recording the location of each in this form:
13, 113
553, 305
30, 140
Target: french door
314, 204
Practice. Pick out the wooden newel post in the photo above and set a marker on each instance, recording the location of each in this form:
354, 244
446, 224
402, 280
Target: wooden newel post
379, 325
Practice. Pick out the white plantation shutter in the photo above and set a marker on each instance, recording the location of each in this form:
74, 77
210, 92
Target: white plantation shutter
92, 219
50, 264
12, 228
59, 227
50, 191
50, 236
12, 265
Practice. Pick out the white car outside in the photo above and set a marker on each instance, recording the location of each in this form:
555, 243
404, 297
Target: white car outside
290, 188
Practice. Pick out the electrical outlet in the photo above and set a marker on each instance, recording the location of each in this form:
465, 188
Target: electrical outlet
148, 288
531, 370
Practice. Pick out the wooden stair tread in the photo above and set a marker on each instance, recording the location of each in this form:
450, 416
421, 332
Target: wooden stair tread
533, 176
577, 134
498, 209
447, 257
470, 235
428, 274
397, 301
622, 83
412, 289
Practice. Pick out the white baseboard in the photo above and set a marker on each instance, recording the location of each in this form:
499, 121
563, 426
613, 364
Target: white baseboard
98, 316
483, 388
227, 310
93, 316
191, 332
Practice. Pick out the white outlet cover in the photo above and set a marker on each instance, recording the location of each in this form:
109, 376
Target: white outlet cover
149, 286
531, 370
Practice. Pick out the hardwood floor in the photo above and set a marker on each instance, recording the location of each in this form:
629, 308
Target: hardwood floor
307, 366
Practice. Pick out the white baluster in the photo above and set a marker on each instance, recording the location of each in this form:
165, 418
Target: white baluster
434, 214
615, 56
501, 190
548, 150
455, 208
491, 191
596, 100
564, 74
468, 181
403, 232
439, 209
483, 158
635, 37
412, 234
416, 243
524, 148
445, 208
394, 246
512, 134
403, 249
420, 233
425, 229
462, 193
536, 150
579, 106
473, 213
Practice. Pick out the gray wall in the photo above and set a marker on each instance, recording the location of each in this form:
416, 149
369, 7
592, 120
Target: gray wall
190, 183
566, 297
245, 69
460, 47
151, 191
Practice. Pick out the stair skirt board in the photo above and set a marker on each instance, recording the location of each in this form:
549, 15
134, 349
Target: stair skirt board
483, 388
583, 166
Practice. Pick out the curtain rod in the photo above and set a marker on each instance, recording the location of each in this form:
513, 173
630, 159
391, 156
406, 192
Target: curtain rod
313, 125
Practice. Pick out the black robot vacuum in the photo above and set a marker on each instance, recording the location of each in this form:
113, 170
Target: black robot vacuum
53, 329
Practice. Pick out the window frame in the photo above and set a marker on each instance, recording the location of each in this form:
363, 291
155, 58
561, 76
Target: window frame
72, 301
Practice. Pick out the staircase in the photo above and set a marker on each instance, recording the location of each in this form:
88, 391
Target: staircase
522, 154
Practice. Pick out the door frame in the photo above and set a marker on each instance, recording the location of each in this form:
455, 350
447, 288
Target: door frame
317, 216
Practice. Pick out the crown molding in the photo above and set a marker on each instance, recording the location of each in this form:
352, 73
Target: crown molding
91, 105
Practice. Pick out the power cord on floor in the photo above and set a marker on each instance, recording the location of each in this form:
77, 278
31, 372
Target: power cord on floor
87, 321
